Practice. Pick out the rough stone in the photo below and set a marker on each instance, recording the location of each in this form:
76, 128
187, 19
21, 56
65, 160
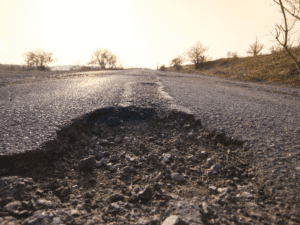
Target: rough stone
174, 220
178, 177
156, 174
87, 163
145, 194
247, 195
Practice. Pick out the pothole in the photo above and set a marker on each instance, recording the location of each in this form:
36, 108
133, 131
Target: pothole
133, 166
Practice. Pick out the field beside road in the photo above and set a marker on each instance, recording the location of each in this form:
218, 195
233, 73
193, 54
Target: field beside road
276, 69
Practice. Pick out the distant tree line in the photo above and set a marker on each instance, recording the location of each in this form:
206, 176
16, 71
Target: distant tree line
103, 58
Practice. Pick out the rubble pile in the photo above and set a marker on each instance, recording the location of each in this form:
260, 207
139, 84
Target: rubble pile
165, 169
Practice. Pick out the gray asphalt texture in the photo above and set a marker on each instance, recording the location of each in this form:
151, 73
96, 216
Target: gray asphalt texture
265, 116
30, 114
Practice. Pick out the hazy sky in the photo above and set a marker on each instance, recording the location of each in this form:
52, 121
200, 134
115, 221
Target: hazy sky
141, 33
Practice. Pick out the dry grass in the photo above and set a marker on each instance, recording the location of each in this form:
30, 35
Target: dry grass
273, 68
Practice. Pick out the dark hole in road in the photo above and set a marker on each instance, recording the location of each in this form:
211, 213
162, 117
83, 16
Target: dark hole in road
112, 117
223, 159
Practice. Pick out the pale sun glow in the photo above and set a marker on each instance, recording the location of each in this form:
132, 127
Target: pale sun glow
141, 33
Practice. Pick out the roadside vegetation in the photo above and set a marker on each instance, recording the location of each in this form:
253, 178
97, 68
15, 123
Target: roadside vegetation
280, 65
275, 67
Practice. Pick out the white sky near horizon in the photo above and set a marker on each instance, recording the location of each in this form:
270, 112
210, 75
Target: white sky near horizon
141, 33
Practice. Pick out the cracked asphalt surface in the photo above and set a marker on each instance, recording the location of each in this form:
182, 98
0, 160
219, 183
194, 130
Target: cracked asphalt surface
265, 117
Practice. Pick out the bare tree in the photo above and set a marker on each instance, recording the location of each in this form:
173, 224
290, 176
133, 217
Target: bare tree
44, 58
255, 48
177, 62
112, 60
196, 54
283, 31
292, 7
39, 58
29, 58
103, 58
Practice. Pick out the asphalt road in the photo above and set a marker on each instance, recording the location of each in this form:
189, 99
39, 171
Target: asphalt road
266, 117
31, 113
249, 111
